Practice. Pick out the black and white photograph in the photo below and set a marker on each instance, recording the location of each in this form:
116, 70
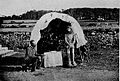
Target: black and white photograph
59, 40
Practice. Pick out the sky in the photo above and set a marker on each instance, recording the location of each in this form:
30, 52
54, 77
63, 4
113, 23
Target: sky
17, 7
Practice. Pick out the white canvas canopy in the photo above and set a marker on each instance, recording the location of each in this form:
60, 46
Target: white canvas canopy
44, 21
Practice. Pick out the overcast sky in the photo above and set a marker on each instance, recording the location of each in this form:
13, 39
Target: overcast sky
10, 7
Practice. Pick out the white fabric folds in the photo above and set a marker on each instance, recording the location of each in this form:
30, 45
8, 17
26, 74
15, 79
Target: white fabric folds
44, 21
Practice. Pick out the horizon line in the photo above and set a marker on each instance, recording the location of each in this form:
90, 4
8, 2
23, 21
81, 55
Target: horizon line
58, 10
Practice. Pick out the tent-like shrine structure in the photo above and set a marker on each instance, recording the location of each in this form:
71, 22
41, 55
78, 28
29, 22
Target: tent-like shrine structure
44, 21
49, 34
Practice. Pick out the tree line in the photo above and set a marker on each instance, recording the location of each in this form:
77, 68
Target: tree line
77, 13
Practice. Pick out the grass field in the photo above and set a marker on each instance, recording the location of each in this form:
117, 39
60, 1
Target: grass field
103, 65
31, 28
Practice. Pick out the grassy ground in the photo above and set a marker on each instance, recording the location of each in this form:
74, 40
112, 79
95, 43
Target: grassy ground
31, 28
103, 65
105, 59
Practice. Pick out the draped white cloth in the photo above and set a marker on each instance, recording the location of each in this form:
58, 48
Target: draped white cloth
44, 21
